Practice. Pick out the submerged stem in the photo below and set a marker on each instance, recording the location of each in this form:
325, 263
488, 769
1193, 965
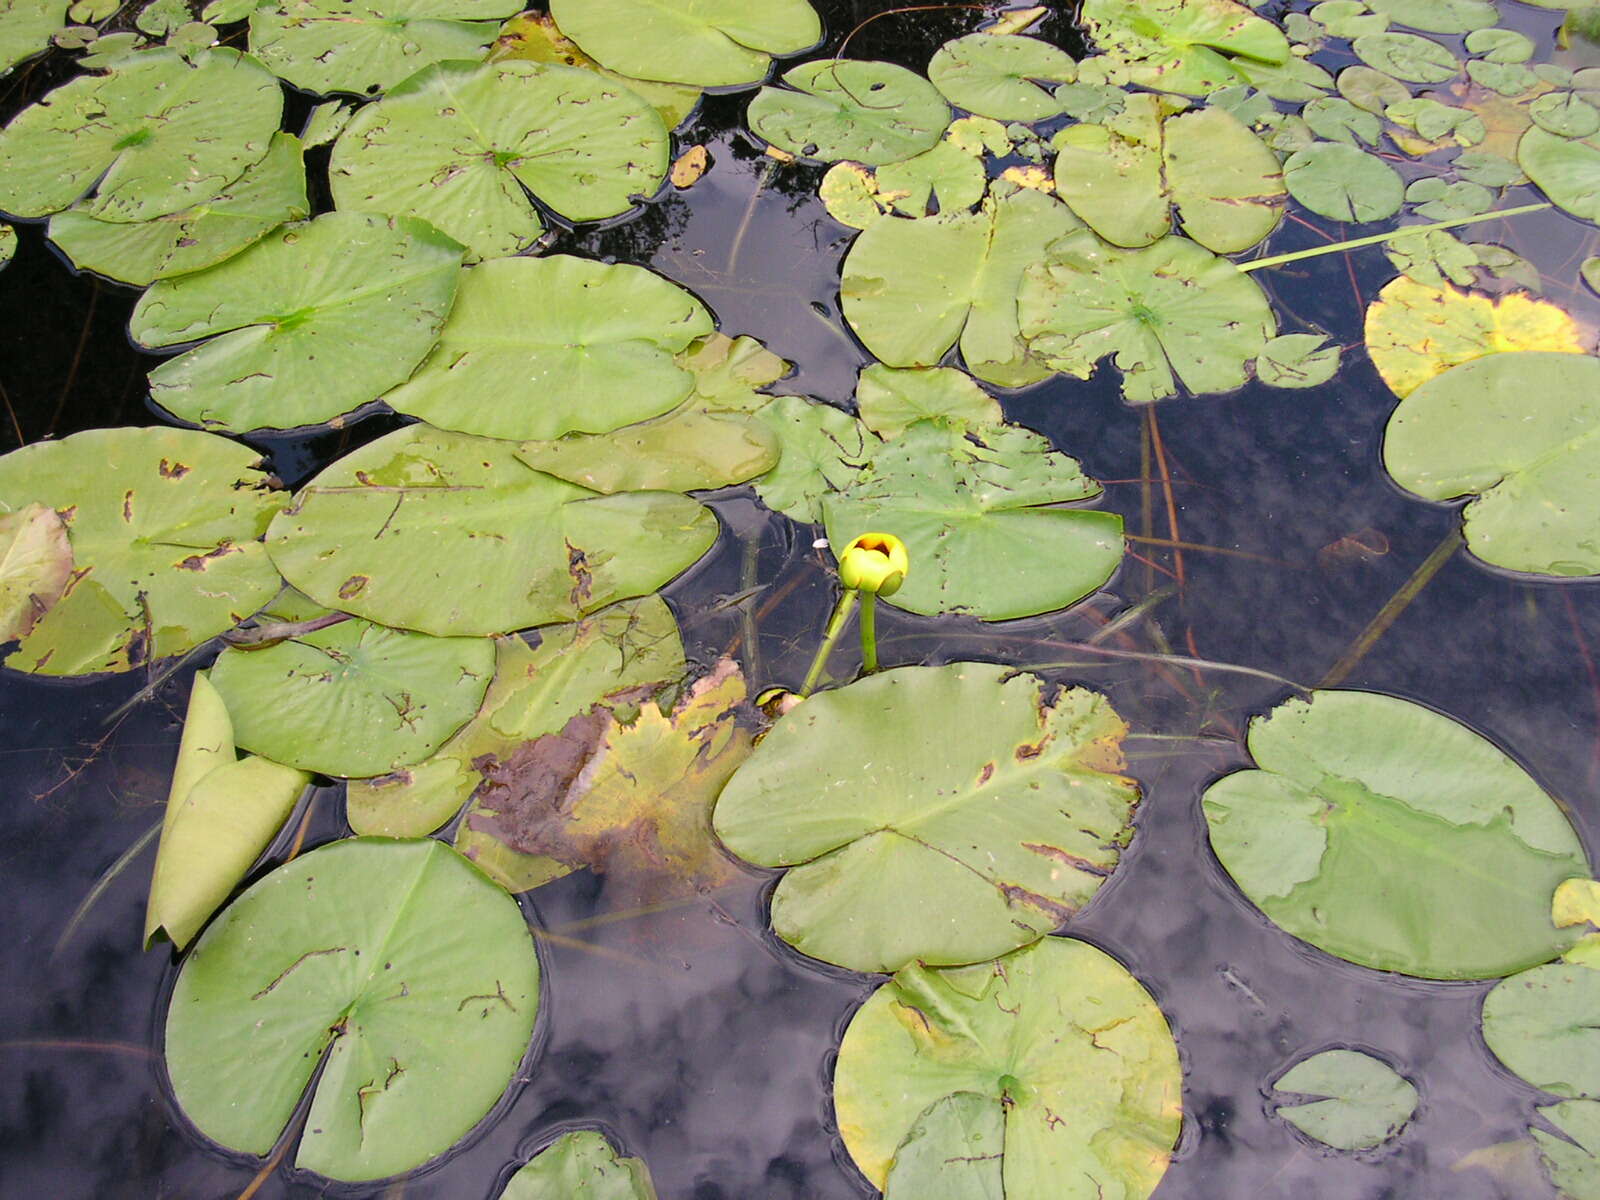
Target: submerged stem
836, 624
1318, 251
1390, 612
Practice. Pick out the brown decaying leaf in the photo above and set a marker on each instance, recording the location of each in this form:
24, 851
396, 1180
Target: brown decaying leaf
689, 166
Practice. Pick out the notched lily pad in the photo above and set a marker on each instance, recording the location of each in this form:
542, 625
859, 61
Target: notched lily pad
870, 112
1571, 1160
1360, 1101
1343, 183
820, 449
1541, 1024
1003, 77
581, 1165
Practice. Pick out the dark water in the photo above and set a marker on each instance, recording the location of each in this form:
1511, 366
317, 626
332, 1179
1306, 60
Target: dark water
691, 1034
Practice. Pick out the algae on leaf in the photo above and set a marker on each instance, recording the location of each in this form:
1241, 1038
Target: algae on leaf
708, 43
869, 112
1361, 1101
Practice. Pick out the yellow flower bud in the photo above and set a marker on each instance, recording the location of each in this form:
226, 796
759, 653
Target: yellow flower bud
875, 563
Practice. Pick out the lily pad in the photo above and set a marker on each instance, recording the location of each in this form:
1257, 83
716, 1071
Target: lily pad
222, 812
1362, 1101
1059, 1038
870, 112
820, 448
1415, 332
26, 27
1407, 56
1002, 77
581, 1165
1566, 169
366, 46
913, 288
1571, 1161
709, 43
305, 325
1343, 183
265, 196
535, 691
155, 135
890, 400
1541, 1025
1390, 836
409, 978
1192, 47
457, 143
539, 347
1171, 313
163, 525
35, 567
1516, 432
980, 515
449, 534
954, 1151
1297, 360
933, 814
1439, 16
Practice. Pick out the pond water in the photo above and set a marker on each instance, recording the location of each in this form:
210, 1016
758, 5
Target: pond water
691, 1034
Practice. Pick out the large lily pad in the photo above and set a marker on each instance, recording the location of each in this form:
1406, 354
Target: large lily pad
913, 288
1183, 46
265, 196
307, 324
450, 534
163, 525
933, 814
1171, 313
1360, 1102
1541, 1024
581, 1165
1566, 169
1059, 1038
1407, 56
26, 27
539, 347
35, 566
1515, 431
1388, 835
368, 45
711, 43
1001, 77
157, 134
978, 512
457, 143
396, 967
869, 112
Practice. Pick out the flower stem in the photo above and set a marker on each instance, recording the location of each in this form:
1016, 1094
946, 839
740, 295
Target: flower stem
869, 632
836, 624
1378, 238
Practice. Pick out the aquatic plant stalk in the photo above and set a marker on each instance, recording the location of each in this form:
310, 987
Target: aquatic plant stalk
1390, 612
1276, 260
836, 624
869, 632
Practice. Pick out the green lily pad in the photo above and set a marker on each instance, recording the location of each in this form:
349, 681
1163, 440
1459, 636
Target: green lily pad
327, 122
1362, 1101
913, 288
979, 514
457, 143
933, 814
163, 525
535, 691
1344, 183
891, 399
1002, 77
1171, 313
1407, 56
222, 812
1515, 431
26, 27
539, 347
395, 966
1541, 1024
1565, 115
1338, 120
1371, 90
1191, 47
1060, 1039
1571, 1161
1297, 360
820, 448
366, 46
710, 43
946, 176
449, 534
1440, 16
1565, 169
581, 1165
869, 112
35, 567
1390, 836
265, 196
954, 1150
305, 325
155, 135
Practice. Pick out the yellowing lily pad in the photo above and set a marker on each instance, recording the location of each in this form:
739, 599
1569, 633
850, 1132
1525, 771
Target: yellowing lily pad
35, 567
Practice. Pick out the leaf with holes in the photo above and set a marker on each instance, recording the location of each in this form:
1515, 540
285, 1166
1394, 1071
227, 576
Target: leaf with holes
890, 400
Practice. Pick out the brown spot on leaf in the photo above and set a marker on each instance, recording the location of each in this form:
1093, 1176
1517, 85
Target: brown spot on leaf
1021, 895
531, 793
1074, 861
172, 470
582, 578
199, 562
127, 505
353, 586
986, 774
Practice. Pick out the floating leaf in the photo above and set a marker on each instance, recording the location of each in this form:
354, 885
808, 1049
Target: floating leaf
1572, 1161
265, 196
1441, 201
1171, 313
1390, 836
1001, 77
849, 192
1415, 332
1348, 18
1541, 1025
889, 400
1565, 115
932, 814
946, 176
326, 122
1371, 90
222, 812
978, 513
163, 525
1407, 56
535, 691
630, 798
912, 288
820, 449
26, 27
1297, 360
581, 1165
450, 534
366, 46
1343, 183
1363, 1100
35, 567
539, 347
156, 135
458, 142
710, 43
953, 1151
1566, 169
1060, 1039
871, 112
1191, 47
1338, 120
409, 978
1439, 16
307, 324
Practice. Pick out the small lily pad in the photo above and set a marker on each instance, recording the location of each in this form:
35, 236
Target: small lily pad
1297, 360
1541, 1024
1362, 1101
581, 1165
1002, 77
891, 400
869, 112
820, 447
1439, 16
1344, 183
1407, 56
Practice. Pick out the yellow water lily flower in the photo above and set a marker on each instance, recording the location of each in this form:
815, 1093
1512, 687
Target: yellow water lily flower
875, 563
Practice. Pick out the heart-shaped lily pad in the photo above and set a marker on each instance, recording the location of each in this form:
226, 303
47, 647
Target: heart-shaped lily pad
395, 966
891, 400
1343, 182
869, 112
1059, 1039
1388, 835
1359, 1101
307, 324
933, 814
1001, 77
449, 534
